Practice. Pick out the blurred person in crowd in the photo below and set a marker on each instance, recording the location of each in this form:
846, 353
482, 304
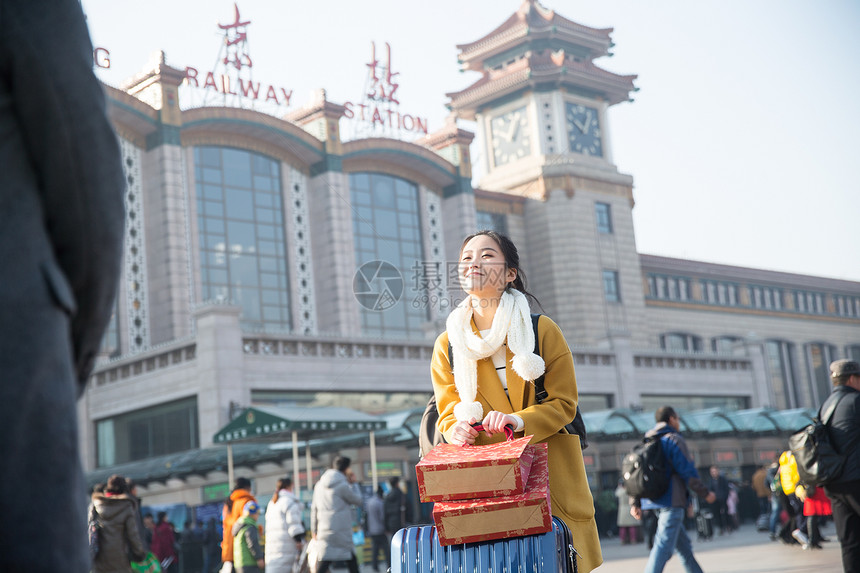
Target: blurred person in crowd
628, 526
396, 506
61, 229
211, 545
164, 543
233, 507
375, 509
718, 484
131, 487
285, 532
248, 556
762, 490
119, 537
332, 510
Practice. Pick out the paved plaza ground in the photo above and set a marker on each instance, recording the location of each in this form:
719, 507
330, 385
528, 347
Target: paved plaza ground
743, 551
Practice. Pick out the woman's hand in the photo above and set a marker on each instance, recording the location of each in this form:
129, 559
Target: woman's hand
464, 434
496, 422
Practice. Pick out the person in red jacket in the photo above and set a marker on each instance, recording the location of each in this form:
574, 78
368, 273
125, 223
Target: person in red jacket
164, 543
233, 507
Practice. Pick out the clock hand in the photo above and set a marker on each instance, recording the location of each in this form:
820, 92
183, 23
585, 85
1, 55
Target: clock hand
578, 125
587, 122
515, 130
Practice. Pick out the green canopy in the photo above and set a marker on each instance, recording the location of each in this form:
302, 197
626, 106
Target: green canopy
278, 423
275, 424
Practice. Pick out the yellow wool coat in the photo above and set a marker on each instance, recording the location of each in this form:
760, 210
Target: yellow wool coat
570, 495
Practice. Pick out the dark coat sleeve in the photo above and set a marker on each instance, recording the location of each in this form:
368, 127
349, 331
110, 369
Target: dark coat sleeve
75, 155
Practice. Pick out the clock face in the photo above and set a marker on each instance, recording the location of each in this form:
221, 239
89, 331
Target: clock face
510, 136
583, 129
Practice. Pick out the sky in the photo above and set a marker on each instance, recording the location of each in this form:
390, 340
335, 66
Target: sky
743, 139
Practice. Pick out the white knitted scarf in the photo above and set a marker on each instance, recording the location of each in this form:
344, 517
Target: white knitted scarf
512, 321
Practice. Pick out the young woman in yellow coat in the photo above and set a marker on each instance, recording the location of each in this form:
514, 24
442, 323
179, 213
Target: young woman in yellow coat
492, 341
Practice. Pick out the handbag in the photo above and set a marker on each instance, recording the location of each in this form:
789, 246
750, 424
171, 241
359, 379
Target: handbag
358, 538
149, 564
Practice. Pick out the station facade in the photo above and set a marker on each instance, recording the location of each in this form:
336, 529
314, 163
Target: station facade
271, 261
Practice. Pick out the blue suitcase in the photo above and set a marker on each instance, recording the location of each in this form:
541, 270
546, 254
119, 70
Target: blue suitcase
417, 550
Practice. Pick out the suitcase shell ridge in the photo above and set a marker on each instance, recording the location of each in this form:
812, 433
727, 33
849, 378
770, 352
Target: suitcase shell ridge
417, 550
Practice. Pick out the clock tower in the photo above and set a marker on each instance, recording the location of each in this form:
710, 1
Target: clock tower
541, 111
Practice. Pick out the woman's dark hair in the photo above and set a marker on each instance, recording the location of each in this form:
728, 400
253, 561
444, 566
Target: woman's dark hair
341, 463
283, 483
116, 485
242, 483
512, 260
162, 516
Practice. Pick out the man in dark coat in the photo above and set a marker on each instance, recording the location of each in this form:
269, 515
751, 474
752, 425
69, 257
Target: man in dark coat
61, 226
397, 510
844, 492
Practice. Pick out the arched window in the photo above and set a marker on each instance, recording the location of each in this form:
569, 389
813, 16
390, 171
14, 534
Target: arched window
240, 220
390, 279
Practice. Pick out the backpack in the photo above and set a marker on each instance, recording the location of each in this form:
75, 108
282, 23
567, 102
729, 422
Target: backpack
429, 435
94, 531
644, 470
818, 461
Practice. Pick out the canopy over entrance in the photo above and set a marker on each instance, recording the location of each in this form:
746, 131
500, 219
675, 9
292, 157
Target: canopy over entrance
275, 424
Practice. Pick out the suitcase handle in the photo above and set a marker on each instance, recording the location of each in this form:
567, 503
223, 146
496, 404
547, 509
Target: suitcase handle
509, 430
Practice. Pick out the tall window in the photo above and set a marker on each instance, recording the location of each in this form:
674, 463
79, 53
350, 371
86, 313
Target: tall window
724, 344
819, 356
781, 369
603, 213
852, 352
163, 429
671, 288
387, 228
110, 340
610, 286
720, 293
681, 341
809, 302
492, 221
240, 217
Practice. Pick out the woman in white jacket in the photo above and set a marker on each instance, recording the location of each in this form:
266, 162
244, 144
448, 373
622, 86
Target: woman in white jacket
285, 532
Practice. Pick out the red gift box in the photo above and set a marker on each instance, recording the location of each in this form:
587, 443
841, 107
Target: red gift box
452, 472
528, 513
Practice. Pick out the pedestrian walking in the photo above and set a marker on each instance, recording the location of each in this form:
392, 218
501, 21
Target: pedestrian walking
671, 506
119, 537
248, 555
332, 509
844, 491
628, 526
285, 533
164, 544
232, 511
375, 510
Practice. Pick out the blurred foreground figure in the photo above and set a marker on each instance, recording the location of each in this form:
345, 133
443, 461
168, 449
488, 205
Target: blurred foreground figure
61, 225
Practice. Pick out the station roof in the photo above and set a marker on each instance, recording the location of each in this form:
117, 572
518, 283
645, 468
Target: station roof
351, 430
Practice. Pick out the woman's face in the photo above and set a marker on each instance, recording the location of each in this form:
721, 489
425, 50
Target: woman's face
482, 268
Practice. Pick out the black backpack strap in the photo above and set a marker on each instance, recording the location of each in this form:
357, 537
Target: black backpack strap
828, 413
